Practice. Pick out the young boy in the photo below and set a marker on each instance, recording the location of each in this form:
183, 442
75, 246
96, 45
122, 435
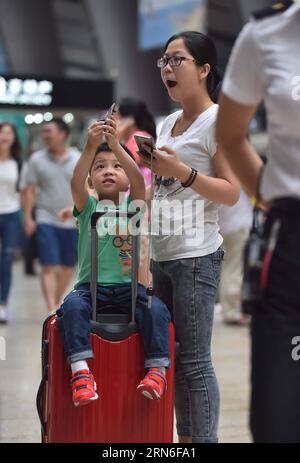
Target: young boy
111, 171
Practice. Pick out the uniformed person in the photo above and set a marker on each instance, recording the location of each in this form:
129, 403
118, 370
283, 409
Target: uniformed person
265, 65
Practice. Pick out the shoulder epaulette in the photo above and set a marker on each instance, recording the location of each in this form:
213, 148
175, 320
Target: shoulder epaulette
277, 8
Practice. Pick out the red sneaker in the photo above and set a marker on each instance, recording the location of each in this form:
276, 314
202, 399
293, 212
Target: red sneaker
83, 387
153, 385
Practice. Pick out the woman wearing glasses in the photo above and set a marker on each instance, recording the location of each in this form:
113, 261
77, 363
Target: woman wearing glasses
192, 178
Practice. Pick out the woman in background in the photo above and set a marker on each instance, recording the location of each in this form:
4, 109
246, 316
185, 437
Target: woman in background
9, 209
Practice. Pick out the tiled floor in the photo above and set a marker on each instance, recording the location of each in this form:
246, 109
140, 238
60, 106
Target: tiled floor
20, 372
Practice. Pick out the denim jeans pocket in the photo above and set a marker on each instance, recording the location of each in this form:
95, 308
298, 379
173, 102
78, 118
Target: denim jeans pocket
217, 259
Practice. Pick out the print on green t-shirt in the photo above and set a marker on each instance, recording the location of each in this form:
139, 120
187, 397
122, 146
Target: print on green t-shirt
114, 250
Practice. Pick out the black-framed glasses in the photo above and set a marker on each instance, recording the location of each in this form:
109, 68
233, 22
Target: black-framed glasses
118, 241
173, 61
165, 181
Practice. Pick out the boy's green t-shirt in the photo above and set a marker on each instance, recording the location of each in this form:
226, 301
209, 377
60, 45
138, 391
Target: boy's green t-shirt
114, 248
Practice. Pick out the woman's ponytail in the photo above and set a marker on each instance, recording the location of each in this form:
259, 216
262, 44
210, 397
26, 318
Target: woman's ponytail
214, 83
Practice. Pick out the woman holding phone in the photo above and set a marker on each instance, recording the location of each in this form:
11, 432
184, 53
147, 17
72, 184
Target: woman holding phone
191, 169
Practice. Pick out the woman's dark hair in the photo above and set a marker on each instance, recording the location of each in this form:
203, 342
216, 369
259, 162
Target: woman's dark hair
16, 146
203, 50
129, 107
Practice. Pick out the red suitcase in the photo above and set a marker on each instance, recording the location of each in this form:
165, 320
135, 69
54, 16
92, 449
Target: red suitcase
121, 414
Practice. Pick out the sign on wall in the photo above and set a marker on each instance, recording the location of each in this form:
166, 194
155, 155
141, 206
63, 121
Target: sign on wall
17, 91
26, 92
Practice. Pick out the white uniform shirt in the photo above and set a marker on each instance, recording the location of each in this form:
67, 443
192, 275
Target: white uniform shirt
189, 224
265, 64
9, 198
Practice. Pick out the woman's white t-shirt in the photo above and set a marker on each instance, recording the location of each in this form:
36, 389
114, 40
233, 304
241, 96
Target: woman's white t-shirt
184, 223
9, 198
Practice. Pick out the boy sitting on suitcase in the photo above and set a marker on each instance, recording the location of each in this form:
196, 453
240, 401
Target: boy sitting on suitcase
109, 172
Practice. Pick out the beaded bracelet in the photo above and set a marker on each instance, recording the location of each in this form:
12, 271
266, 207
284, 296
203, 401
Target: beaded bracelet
191, 179
184, 184
195, 173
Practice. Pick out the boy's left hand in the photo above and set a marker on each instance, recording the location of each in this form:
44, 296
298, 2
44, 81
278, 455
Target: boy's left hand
110, 133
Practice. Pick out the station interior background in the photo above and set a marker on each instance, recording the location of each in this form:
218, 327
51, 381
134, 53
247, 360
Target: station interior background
116, 41
82, 55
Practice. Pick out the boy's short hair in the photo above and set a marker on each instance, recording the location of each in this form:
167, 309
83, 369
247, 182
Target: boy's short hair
104, 148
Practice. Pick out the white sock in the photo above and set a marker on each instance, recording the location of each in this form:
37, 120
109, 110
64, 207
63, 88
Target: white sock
80, 365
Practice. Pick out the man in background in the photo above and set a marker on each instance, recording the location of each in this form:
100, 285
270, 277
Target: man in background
48, 186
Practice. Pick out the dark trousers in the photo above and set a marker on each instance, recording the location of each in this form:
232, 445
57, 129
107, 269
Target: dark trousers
275, 332
29, 249
9, 234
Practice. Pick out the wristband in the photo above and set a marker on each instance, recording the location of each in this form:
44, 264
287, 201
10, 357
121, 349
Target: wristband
191, 179
188, 180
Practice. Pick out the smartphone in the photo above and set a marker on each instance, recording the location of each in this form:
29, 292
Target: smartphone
145, 145
109, 113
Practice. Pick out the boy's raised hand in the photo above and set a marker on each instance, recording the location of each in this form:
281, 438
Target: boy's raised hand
110, 132
95, 134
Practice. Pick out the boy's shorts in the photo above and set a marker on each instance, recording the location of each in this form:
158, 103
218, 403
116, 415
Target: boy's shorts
57, 246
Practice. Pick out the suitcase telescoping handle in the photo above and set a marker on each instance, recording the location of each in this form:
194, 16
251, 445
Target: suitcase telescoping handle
94, 258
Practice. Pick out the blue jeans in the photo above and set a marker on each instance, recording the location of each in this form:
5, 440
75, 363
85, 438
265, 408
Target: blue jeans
9, 236
153, 324
188, 287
